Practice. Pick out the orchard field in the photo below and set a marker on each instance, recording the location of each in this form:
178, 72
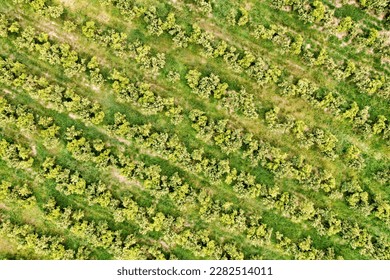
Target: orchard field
194, 129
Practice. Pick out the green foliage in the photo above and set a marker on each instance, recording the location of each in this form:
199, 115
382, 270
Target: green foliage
15, 155
377, 5
173, 76
345, 24
380, 125
351, 112
205, 5
271, 117
243, 18
69, 26
105, 158
354, 157
3, 26
155, 24
318, 12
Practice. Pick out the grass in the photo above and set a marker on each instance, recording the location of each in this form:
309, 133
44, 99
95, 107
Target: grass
182, 60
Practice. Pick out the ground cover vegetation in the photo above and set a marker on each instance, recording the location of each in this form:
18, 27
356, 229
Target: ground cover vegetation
194, 129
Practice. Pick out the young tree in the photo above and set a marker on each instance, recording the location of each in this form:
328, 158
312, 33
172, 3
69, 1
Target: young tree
380, 125
244, 17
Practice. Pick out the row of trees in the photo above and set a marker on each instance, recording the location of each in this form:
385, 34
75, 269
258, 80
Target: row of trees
141, 95
128, 8
330, 101
78, 146
363, 37
120, 45
92, 236
153, 179
17, 75
43, 7
305, 173
230, 139
242, 183
31, 244
156, 27
71, 61
249, 188
280, 35
55, 54
208, 86
67, 99
239, 17
74, 184
239, 61
99, 236
284, 200
366, 79
324, 140
310, 11
23, 119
